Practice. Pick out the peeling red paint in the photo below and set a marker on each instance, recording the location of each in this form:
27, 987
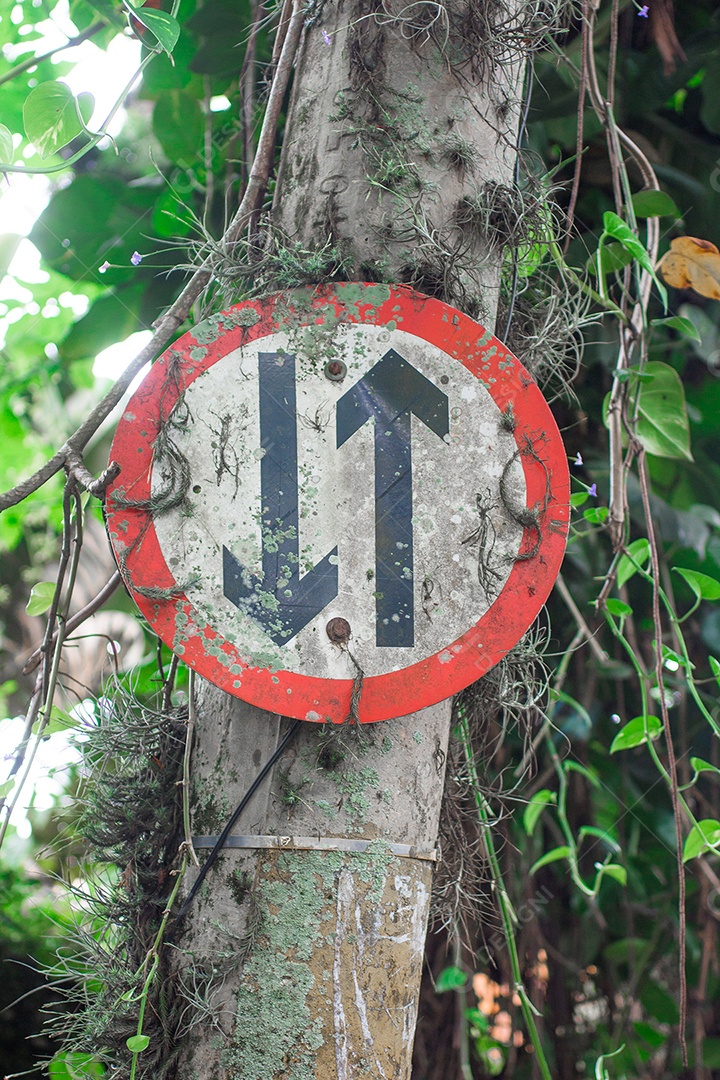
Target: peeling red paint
541, 456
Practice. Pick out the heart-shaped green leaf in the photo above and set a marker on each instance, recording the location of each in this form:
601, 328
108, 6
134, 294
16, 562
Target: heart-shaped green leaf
41, 597
662, 425
137, 1043
555, 855
52, 117
165, 28
636, 732
702, 837
535, 807
681, 324
638, 554
614, 870
617, 607
450, 978
704, 586
654, 204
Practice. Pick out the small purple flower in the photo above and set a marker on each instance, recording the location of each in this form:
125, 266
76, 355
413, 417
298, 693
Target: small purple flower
105, 266
136, 258
326, 37
643, 12
592, 490
578, 459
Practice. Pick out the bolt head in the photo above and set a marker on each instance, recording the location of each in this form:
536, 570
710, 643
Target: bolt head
338, 630
335, 370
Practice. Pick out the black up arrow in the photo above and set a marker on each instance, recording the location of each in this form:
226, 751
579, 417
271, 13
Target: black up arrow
282, 602
390, 391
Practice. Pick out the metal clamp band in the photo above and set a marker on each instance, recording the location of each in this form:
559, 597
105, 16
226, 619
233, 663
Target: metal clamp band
320, 843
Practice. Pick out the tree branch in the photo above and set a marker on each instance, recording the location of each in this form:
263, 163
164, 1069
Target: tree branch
169, 323
33, 61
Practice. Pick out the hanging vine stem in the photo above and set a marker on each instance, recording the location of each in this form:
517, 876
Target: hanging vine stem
189, 849
153, 959
507, 913
138, 1042
622, 419
674, 795
42, 700
77, 620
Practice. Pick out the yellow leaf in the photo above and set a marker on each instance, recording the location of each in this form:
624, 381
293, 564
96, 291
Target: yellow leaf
692, 264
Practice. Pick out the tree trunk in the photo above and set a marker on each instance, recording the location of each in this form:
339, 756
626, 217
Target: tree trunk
308, 949
302, 954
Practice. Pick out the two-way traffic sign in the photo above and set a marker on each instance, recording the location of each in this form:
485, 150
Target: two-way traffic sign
347, 493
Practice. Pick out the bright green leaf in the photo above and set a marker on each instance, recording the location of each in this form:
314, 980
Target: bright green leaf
41, 597
615, 871
75, 1066
700, 765
7, 151
596, 515
535, 807
578, 498
165, 28
492, 1055
6, 787
662, 425
615, 226
702, 837
612, 257
575, 766
52, 117
478, 1019
704, 586
683, 326
617, 607
599, 834
638, 555
137, 1043
654, 204
636, 732
715, 667
59, 721
451, 978
557, 853
670, 654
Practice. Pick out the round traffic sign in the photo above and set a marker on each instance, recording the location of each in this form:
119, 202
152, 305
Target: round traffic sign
344, 502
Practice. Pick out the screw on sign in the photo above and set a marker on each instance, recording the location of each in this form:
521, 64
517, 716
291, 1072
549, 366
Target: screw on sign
346, 502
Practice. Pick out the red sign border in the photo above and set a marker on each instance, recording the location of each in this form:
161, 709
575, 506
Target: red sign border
308, 697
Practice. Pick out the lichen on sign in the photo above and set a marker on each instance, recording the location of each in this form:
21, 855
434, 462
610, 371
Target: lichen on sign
355, 453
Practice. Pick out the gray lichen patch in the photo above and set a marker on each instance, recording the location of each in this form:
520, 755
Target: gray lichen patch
276, 1034
315, 997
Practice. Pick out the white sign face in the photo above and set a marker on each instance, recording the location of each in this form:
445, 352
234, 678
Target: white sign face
401, 528
342, 502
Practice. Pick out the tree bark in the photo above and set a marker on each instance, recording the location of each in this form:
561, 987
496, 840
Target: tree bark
307, 953
302, 955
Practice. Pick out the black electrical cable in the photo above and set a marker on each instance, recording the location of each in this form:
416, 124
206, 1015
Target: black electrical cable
207, 865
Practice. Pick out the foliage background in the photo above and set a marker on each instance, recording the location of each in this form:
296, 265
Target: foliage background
599, 955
